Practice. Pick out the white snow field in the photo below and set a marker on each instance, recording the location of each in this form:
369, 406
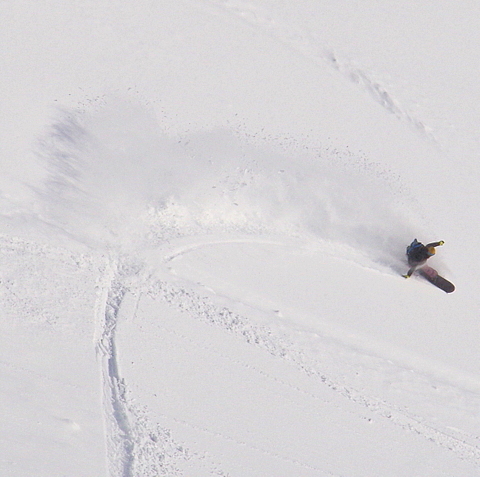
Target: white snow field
204, 209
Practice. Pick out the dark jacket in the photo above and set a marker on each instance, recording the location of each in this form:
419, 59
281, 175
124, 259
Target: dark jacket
418, 254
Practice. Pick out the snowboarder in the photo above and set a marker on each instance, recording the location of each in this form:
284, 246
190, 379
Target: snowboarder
418, 254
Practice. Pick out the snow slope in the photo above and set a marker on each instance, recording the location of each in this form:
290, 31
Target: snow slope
204, 208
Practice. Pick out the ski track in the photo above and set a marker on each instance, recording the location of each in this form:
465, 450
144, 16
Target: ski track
120, 445
305, 43
135, 447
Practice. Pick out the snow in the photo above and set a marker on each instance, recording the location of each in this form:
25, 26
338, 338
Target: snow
204, 208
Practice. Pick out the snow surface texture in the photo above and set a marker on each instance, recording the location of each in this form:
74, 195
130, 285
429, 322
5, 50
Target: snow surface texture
204, 208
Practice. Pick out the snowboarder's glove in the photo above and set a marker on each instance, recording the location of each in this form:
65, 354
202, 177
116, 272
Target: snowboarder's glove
441, 242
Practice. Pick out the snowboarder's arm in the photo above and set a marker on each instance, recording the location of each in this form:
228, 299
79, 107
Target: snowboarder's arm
435, 244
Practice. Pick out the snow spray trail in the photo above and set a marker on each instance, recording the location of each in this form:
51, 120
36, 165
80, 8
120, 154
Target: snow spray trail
115, 179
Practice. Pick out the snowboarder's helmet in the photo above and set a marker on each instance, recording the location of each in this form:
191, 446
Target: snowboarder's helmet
431, 251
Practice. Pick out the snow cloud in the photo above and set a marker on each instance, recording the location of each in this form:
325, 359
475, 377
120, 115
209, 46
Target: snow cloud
115, 178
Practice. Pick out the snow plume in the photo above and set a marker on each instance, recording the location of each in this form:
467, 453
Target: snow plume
115, 178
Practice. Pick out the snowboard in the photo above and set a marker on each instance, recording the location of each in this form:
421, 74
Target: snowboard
433, 277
